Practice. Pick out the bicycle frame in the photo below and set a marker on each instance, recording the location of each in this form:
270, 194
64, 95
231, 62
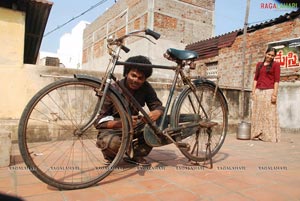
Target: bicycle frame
109, 76
158, 130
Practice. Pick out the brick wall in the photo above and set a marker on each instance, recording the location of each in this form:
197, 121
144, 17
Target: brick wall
230, 71
178, 22
230, 58
185, 21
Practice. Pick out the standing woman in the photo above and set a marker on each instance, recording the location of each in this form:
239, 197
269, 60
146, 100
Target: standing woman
265, 122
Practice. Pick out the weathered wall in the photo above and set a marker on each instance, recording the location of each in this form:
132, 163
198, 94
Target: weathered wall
12, 29
21, 83
288, 106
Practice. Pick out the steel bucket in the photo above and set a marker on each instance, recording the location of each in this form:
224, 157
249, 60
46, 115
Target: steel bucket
244, 131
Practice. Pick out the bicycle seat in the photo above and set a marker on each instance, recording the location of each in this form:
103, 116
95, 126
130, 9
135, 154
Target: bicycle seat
182, 54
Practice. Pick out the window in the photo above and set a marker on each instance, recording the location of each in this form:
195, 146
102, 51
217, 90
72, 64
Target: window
212, 70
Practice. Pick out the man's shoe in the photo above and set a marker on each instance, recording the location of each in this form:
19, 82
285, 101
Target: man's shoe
137, 160
107, 162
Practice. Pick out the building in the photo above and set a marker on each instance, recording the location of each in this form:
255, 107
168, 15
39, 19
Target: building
29, 18
22, 24
222, 56
69, 53
179, 22
70, 47
48, 59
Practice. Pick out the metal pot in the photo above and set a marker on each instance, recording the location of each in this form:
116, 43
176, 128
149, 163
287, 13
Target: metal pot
244, 131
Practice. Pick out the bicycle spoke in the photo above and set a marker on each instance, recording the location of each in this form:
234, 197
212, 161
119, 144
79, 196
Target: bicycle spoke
207, 107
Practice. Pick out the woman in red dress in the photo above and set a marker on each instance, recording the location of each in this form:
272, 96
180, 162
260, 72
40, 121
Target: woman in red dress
264, 120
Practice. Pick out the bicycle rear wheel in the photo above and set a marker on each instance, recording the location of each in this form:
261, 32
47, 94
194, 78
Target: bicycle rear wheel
53, 140
205, 107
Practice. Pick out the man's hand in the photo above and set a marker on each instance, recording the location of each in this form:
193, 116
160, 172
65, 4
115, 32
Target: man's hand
135, 120
111, 124
155, 114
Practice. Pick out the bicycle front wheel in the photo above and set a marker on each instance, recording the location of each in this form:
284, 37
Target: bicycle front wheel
57, 138
193, 107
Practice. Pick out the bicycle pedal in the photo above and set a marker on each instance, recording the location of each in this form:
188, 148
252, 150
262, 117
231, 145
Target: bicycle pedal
207, 124
183, 145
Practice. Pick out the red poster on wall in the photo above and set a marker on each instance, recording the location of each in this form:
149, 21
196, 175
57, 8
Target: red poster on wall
288, 53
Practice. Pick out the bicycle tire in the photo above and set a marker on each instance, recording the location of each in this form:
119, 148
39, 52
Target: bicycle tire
49, 139
196, 138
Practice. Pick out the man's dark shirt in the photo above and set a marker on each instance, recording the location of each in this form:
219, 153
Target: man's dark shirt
145, 95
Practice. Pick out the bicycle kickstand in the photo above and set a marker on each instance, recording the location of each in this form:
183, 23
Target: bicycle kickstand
208, 149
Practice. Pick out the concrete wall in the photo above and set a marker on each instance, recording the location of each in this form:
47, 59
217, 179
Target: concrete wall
288, 106
12, 29
21, 83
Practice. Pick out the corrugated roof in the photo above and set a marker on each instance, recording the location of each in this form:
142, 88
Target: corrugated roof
37, 13
210, 47
278, 20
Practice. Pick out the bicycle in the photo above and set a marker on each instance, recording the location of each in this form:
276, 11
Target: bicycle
57, 137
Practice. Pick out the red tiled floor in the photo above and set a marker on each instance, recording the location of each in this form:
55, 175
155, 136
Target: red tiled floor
176, 180
154, 184
209, 190
176, 194
90, 194
33, 189
264, 194
46, 197
121, 190
6, 182
139, 197
27, 179
232, 196
233, 184
290, 190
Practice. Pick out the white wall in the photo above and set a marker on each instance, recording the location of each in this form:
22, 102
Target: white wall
70, 47
288, 105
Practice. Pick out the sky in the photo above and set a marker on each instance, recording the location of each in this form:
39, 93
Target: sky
229, 15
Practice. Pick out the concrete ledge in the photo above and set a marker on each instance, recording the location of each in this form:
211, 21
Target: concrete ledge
5, 147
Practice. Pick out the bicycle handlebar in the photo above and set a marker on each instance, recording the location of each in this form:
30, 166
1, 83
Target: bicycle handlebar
119, 41
152, 33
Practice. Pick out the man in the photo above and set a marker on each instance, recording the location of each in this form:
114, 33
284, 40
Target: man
135, 81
